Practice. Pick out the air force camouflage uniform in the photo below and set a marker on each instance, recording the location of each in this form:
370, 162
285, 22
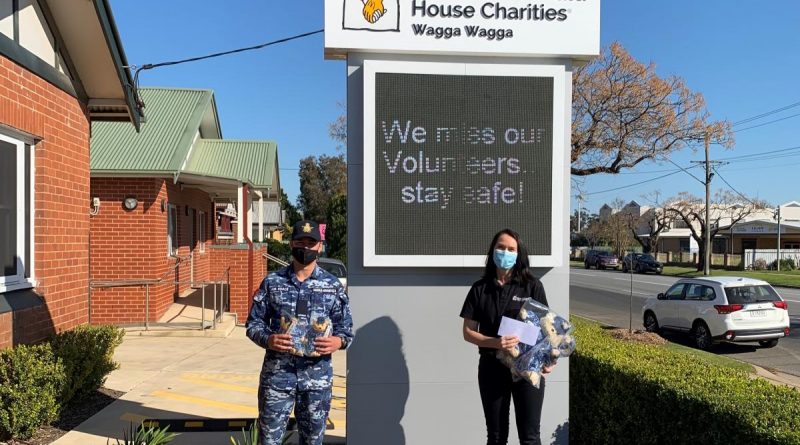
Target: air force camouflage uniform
288, 379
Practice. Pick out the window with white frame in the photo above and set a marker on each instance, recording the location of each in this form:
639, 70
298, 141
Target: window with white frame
16, 204
201, 227
172, 230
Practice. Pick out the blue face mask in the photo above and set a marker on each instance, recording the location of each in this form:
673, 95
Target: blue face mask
504, 259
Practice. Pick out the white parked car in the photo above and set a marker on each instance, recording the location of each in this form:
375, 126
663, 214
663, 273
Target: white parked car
720, 308
336, 267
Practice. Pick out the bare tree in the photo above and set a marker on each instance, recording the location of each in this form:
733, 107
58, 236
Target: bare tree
617, 228
623, 114
337, 130
646, 229
725, 204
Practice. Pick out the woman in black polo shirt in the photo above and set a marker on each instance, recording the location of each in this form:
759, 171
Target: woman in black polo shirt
506, 283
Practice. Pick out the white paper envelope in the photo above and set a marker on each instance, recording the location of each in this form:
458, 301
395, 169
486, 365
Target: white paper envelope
527, 333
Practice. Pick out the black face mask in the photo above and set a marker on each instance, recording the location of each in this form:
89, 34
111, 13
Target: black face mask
303, 255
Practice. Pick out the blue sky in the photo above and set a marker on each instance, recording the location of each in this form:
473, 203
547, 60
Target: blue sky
741, 55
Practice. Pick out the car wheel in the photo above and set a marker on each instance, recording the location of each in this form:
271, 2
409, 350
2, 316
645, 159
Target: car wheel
624, 268
637, 269
650, 322
586, 265
768, 343
702, 336
658, 272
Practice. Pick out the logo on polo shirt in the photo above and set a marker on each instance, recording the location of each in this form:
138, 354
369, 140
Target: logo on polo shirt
516, 298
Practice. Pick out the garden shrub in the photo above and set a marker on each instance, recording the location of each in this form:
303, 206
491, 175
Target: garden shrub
760, 264
623, 392
31, 378
786, 264
87, 354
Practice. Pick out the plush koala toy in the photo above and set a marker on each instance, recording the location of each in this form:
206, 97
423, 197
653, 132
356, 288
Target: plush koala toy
304, 334
321, 327
555, 340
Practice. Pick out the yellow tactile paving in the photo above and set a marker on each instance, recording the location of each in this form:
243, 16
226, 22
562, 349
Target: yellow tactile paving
235, 407
219, 385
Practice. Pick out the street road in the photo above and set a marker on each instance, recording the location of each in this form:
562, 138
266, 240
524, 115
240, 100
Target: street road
605, 296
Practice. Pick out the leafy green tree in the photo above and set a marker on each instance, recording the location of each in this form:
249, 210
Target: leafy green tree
321, 179
292, 214
336, 232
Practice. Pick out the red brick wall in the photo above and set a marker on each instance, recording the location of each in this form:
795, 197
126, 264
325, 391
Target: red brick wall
61, 225
244, 281
132, 245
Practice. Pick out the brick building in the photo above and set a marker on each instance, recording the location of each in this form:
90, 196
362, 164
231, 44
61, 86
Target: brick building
61, 67
155, 218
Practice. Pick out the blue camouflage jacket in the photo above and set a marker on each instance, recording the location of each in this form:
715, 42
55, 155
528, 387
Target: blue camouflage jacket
278, 295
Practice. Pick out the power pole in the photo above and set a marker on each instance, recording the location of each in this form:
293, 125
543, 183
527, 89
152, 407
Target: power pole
707, 235
580, 209
778, 263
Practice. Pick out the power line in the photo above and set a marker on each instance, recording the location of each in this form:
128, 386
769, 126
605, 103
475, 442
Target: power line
686, 171
766, 123
634, 184
765, 114
758, 155
149, 66
732, 188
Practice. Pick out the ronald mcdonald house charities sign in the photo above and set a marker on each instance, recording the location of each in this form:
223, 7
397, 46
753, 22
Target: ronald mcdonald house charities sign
545, 28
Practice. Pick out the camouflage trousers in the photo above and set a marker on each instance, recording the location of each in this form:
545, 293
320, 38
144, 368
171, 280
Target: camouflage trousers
310, 409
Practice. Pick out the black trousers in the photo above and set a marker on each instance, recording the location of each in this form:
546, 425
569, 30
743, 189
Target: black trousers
497, 389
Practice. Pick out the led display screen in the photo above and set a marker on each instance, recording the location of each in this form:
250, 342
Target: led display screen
460, 157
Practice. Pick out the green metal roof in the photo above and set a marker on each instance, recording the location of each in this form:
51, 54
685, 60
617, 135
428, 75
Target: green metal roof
254, 162
165, 142
173, 119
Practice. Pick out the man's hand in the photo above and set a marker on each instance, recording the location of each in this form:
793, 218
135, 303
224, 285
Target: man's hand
508, 342
280, 342
327, 345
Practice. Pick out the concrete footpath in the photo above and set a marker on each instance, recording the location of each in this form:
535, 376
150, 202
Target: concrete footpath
200, 377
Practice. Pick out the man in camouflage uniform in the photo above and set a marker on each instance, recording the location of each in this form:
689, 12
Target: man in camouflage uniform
291, 376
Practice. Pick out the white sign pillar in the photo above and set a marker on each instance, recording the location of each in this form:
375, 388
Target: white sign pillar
453, 135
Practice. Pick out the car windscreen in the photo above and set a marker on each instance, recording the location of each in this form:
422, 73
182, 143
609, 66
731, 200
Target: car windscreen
646, 258
751, 294
336, 269
604, 254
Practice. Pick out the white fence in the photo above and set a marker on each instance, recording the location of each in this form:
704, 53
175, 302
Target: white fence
770, 255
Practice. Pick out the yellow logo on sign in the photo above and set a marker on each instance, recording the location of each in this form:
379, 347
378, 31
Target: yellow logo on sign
373, 10
307, 228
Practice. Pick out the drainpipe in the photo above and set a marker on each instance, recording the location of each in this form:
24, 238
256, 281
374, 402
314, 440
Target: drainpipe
90, 272
260, 195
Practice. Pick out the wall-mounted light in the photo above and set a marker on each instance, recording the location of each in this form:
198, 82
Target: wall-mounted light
130, 203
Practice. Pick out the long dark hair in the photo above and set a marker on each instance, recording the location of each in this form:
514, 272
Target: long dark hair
521, 270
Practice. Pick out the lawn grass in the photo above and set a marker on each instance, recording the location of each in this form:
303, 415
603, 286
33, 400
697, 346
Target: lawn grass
694, 354
783, 278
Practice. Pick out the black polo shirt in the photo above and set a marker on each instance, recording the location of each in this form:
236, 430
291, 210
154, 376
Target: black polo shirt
487, 302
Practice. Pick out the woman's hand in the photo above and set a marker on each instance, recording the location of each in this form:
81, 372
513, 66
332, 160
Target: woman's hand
507, 343
549, 368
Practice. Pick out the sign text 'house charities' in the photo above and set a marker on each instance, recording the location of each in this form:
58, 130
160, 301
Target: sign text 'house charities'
475, 27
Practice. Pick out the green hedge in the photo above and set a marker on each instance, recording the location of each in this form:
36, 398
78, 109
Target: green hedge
87, 354
30, 380
623, 392
38, 382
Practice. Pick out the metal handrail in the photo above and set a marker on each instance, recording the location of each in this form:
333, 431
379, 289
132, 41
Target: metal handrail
275, 259
223, 282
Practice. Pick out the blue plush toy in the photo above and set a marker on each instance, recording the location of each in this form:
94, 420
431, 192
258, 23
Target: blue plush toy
555, 340
304, 334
